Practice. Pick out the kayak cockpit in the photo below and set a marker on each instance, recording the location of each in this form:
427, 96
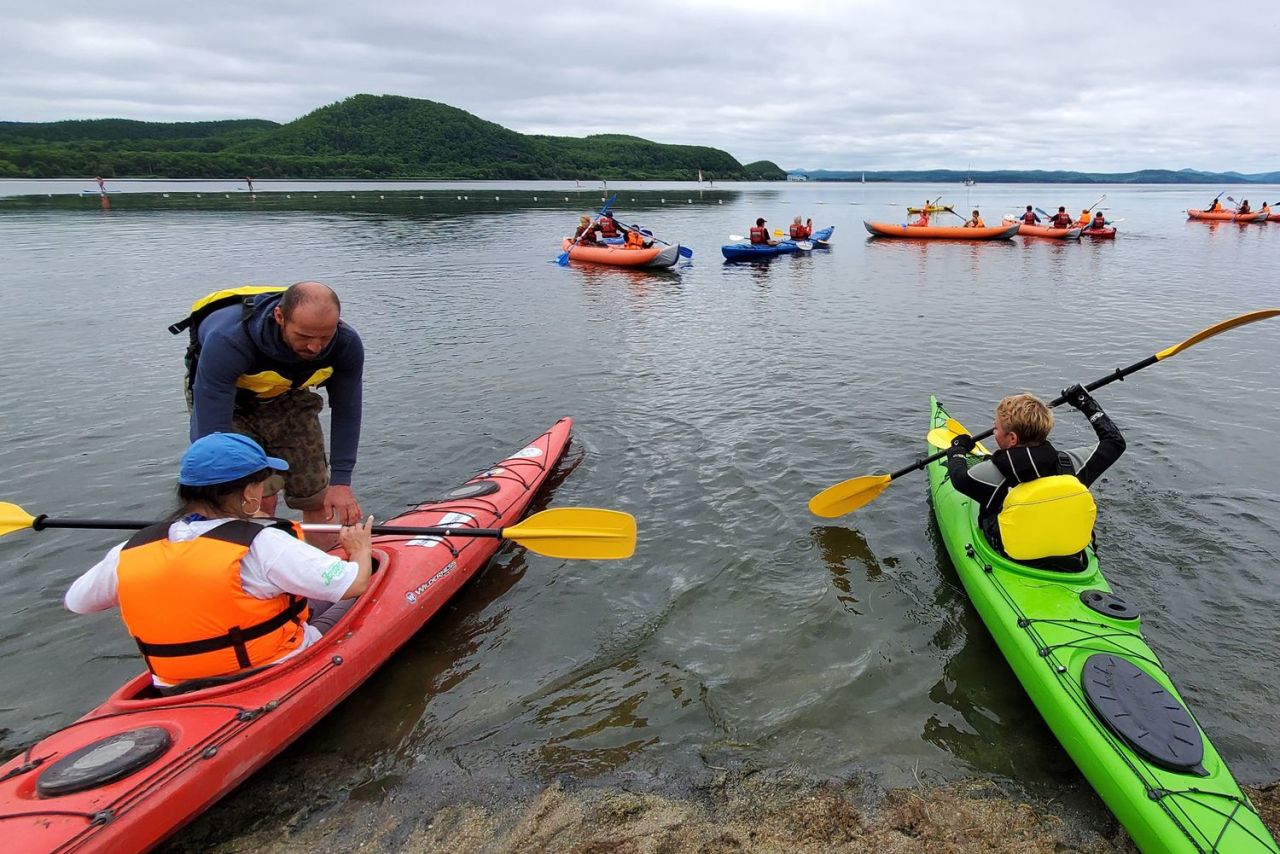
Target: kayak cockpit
141, 691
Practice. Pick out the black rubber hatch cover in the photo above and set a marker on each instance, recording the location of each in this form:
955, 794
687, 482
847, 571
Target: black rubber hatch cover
1139, 710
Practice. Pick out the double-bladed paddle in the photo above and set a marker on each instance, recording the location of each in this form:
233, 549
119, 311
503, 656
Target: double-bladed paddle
584, 533
849, 495
563, 258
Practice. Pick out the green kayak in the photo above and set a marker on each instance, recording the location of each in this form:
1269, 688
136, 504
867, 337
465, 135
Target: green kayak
1078, 651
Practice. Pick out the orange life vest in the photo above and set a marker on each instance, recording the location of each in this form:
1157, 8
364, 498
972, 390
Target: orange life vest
759, 234
799, 232
184, 605
635, 240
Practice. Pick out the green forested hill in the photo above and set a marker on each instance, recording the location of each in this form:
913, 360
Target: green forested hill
364, 136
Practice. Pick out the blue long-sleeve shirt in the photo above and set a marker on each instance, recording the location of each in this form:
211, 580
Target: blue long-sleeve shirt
230, 348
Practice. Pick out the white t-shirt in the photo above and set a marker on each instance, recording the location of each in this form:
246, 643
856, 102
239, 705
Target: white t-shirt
277, 562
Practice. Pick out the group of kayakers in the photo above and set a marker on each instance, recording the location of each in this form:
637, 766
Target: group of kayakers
1216, 206
1062, 219
595, 232
974, 221
216, 590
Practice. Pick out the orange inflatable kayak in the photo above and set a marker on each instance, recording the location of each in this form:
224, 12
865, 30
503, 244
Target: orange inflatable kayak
1004, 231
620, 256
1227, 216
1072, 233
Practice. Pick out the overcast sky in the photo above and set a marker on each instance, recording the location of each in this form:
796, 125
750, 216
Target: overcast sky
868, 85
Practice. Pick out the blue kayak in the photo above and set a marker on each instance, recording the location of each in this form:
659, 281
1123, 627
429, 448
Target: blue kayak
749, 251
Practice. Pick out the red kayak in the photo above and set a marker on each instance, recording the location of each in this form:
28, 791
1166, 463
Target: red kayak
1108, 233
137, 768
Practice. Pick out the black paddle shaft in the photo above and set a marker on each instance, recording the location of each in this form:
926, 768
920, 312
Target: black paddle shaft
42, 522
1117, 374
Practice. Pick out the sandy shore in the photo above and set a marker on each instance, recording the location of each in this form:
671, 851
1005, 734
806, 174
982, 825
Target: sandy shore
767, 812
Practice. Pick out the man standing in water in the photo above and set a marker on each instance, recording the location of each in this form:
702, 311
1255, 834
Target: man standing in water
249, 181
251, 370
102, 185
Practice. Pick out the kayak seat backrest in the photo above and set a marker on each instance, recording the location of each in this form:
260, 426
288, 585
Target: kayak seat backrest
207, 682
1047, 517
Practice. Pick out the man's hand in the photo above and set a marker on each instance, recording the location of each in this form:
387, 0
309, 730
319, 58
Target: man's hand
340, 505
962, 445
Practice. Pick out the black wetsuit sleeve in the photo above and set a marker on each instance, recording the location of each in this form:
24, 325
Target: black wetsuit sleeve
982, 488
1092, 462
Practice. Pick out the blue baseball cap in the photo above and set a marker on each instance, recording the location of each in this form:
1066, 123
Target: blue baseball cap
224, 457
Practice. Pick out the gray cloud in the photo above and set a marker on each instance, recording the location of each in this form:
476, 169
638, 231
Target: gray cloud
866, 85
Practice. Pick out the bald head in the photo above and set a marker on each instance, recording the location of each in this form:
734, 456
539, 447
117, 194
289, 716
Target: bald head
313, 296
308, 315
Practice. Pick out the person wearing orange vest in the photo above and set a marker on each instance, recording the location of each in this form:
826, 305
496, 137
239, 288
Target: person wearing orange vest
924, 214
213, 591
975, 222
801, 230
608, 226
760, 234
1061, 219
1085, 219
636, 240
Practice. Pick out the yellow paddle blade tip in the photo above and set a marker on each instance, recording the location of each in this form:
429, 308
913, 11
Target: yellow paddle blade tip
577, 533
848, 495
13, 518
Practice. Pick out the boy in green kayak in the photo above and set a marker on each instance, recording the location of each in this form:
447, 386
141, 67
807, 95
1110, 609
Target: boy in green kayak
1022, 425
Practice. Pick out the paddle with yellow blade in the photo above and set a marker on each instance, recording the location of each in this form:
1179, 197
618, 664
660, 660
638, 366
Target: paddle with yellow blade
849, 495
582, 533
941, 437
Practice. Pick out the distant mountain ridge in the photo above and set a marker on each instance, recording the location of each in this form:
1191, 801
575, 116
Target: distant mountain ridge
364, 136
1038, 176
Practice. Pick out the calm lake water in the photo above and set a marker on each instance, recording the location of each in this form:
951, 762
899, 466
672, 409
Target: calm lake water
711, 402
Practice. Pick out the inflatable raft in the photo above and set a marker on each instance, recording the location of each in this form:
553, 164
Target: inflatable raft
620, 256
1227, 216
1004, 231
1072, 233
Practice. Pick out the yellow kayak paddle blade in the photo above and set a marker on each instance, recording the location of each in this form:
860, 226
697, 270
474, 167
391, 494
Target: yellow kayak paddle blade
848, 495
13, 518
582, 533
940, 437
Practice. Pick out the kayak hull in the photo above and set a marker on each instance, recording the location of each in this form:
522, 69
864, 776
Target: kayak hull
654, 257
1108, 233
1004, 231
1227, 216
748, 251
1049, 636
219, 736
1025, 230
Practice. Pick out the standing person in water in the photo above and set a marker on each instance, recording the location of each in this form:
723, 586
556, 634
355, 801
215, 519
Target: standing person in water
102, 185
249, 181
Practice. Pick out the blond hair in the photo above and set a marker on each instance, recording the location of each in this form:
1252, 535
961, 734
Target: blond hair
1026, 415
